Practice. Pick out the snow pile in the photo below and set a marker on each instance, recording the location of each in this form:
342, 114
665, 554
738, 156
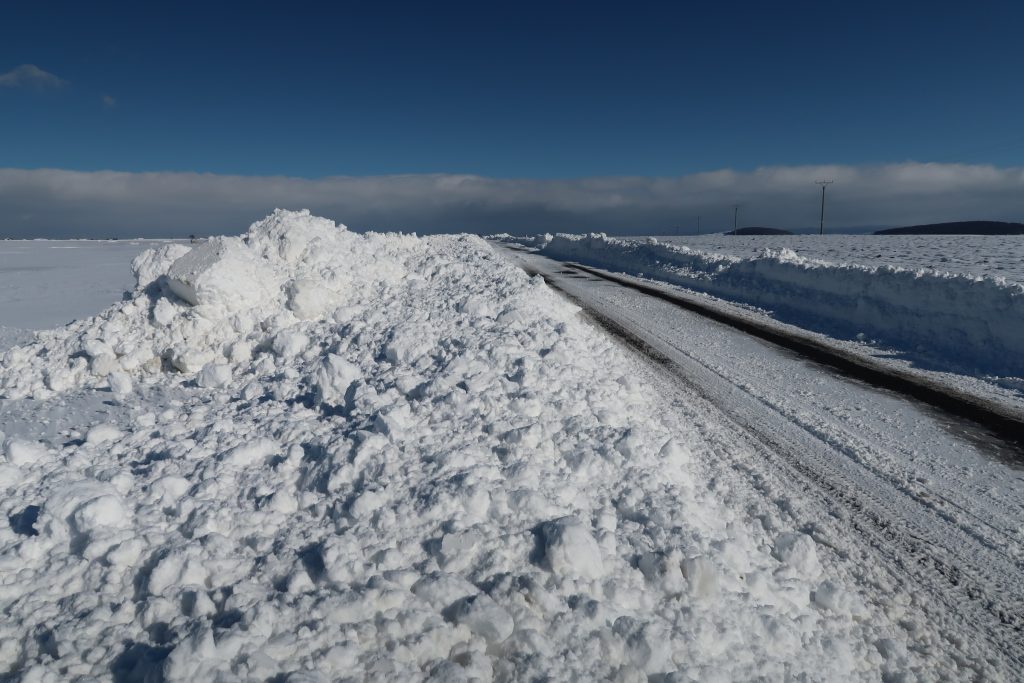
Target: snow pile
384, 458
964, 322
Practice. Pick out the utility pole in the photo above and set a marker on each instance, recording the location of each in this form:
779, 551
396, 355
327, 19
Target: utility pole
735, 216
824, 184
698, 224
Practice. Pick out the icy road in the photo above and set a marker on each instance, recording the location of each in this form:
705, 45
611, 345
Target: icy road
911, 501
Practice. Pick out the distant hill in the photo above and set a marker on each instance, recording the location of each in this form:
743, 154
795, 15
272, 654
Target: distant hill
759, 231
959, 228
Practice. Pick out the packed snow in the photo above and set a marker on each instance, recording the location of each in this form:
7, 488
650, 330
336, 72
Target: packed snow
308, 454
959, 322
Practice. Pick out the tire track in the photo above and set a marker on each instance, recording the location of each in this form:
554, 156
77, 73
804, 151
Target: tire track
1001, 420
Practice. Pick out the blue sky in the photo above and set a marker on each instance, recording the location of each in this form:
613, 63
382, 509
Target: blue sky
546, 90
535, 91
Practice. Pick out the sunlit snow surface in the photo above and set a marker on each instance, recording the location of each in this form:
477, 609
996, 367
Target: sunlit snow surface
306, 454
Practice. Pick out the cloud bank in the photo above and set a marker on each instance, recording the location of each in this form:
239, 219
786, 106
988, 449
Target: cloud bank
30, 76
59, 203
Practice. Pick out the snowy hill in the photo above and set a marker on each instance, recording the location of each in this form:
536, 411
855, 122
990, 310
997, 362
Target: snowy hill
959, 228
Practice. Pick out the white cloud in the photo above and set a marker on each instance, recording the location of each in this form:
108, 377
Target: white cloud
30, 76
50, 202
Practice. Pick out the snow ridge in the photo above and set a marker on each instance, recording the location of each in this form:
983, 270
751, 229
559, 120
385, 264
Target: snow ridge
970, 323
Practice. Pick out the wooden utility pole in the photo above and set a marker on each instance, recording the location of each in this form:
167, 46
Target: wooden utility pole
824, 184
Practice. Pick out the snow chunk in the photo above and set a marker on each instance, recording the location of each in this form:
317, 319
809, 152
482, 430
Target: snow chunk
570, 549
148, 266
240, 351
831, 596
187, 359
170, 488
457, 548
289, 343
176, 571
222, 277
408, 343
214, 376
308, 299
366, 503
291, 235
102, 433
106, 511
165, 311
483, 617
701, 575
21, 452
104, 364
250, 453
797, 552
442, 590
120, 383
664, 571
332, 380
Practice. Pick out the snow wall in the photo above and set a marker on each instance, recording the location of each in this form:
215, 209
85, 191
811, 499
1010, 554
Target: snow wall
965, 322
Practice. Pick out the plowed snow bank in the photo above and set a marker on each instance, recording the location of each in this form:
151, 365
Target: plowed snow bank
961, 321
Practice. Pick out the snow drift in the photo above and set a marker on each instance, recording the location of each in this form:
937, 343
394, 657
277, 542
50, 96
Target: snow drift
339, 456
974, 324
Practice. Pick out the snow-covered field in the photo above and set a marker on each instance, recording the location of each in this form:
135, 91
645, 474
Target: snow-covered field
306, 454
47, 283
958, 322
985, 255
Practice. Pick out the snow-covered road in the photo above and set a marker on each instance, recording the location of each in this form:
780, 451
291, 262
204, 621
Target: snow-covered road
922, 511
